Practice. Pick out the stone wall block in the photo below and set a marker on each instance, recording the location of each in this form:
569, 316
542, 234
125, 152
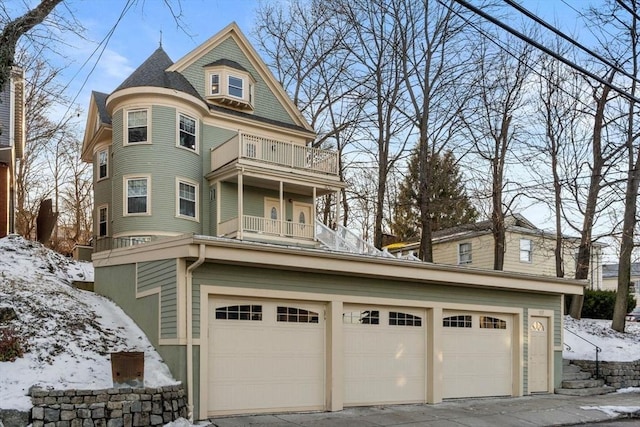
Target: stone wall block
51, 414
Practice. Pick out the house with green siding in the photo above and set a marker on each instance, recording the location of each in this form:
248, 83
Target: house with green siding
206, 184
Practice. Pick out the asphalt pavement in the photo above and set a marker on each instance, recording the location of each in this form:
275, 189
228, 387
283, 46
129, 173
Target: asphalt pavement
614, 409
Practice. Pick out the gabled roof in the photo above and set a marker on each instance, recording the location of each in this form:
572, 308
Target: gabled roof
153, 73
100, 100
228, 63
233, 31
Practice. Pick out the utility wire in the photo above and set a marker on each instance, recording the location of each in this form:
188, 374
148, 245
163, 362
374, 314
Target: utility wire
571, 40
546, 50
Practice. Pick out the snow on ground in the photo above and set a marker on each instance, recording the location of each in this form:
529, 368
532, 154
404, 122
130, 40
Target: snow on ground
616, 346
69, 333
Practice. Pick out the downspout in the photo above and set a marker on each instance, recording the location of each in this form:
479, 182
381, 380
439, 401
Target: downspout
189, 287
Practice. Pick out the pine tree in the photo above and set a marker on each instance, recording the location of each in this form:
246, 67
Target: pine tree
451, 206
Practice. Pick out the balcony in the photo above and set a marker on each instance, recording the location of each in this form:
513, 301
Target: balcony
277, 153
266, 227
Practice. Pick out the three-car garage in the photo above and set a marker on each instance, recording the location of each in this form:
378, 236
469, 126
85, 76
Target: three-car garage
270, 355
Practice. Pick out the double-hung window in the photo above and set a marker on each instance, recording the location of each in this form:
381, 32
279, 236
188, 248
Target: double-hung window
187, 132
103, 218
137, 126
103, 164
464, 253
236, 87
526, 250
137, 194
187, 199
215, 84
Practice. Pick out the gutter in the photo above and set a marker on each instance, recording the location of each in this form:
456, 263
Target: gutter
189, 277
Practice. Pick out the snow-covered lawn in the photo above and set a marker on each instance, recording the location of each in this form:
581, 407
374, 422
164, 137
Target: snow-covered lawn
69, 333
616, 346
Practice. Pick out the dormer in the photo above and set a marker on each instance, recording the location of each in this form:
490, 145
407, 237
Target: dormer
230, 84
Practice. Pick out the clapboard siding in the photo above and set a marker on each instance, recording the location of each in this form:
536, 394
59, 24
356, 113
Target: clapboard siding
162, 274
265, 102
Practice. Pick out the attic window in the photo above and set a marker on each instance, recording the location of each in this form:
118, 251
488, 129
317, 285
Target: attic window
231, 85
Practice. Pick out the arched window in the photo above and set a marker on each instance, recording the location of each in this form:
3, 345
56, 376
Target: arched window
301, 218
537, 327
274, 213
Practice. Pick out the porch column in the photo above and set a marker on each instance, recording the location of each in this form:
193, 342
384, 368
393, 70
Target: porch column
337, 208
314, 215
282, 212
240, 206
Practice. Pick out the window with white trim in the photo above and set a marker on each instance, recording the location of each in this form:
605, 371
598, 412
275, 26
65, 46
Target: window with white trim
488, 322
397, 318
214, 84
365, 317
464, 253
460, 321
187, 132
137, 195
526, 250
137, 126
296, 315
103, 218
103, 164
236, 86
239, 312
187, 199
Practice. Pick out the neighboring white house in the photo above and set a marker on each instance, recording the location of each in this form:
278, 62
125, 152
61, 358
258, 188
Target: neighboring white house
610, 279
528, 249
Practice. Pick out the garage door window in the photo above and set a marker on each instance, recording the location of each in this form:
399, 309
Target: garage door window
366, 317
397, 318
239, 312
463, 321
296, 315
488, 322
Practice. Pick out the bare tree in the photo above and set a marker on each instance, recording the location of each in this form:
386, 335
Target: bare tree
434, 61
493, 125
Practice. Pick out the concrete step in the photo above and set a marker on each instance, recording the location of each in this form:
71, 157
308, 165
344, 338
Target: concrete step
582, 383
568, 376
593, 391
570, 369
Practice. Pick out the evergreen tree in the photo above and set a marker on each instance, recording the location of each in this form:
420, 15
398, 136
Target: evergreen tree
451, 206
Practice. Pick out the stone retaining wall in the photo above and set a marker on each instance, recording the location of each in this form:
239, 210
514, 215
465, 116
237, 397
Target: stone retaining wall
114, 407
615, 374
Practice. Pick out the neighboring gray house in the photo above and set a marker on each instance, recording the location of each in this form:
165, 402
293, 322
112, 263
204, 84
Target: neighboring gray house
12, 136
206, 183
610, 279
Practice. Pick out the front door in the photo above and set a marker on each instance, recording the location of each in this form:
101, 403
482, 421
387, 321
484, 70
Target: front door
302, 220
272, 216
539, 354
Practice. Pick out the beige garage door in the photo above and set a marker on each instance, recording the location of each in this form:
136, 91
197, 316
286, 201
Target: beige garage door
477, 354
265, 356
384, 355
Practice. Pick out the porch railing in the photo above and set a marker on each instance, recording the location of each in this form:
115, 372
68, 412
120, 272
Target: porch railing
261, 225
275, 152
597, 349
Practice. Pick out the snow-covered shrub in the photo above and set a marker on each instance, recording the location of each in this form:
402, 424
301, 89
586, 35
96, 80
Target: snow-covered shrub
11, 345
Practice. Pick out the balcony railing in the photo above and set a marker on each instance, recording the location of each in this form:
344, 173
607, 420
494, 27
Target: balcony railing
272, 151
267, 226
107, 243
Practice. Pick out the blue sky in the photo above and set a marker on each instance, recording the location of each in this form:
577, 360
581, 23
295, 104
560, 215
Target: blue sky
137, 35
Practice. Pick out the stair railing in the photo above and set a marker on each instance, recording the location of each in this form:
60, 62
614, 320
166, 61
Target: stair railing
598, 350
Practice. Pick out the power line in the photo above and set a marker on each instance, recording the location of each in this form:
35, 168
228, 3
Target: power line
546, 50
571, 40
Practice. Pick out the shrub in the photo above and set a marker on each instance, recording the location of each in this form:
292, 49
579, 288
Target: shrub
599, 304
11, 345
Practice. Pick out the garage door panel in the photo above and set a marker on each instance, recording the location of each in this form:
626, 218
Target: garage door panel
272, 360
383, 363
477, 361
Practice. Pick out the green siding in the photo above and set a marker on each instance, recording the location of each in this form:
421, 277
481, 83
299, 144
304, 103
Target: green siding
214, 137
151, 159
253, 201
162, 274
228, 201
266, 104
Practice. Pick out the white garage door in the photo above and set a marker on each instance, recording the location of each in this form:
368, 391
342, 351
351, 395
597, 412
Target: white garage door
265, 356
477, 356
384, 355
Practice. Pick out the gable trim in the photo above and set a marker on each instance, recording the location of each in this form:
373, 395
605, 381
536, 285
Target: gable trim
232, 30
